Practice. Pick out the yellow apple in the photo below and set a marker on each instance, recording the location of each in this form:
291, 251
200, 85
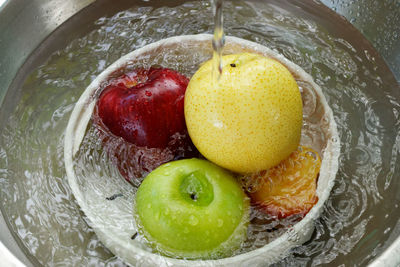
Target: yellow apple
250, 118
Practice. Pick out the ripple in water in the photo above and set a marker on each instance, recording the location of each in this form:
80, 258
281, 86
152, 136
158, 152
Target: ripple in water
361, 212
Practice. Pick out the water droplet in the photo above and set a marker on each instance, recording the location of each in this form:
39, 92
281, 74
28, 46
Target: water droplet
218, 124
293, 236
186, 230
193, 220
220, 222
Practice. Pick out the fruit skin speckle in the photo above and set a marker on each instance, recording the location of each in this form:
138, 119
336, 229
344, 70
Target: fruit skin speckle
249, 120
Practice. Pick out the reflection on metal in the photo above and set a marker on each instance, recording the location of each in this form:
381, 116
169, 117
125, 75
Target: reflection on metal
2, 2
25, 24
390, 257
8, 259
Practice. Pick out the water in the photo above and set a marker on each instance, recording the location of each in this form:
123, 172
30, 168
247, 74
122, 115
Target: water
360, 215
218, 41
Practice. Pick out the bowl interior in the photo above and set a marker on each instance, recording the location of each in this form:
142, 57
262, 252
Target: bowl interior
94, 185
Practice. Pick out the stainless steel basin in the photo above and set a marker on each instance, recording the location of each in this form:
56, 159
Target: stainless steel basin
24, 24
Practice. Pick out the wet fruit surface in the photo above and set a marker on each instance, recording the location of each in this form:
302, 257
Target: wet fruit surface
145, 107
248, 121
140, 120
192, 209
288, 188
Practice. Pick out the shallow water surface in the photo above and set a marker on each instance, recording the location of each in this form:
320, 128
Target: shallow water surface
361, 214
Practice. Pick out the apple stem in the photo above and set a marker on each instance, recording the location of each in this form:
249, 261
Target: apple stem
193, 196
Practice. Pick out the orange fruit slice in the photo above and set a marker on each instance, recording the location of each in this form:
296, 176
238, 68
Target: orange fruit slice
288, 188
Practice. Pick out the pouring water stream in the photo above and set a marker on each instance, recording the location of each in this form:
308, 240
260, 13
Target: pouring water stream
218, 39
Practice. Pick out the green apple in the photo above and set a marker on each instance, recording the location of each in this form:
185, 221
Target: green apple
192, 209
248, 120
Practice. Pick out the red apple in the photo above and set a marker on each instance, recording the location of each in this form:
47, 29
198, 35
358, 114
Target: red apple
145, 108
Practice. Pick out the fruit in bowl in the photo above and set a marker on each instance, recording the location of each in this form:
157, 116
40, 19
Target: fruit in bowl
115, 230
192, 209
250, 119
288, 188
144, 107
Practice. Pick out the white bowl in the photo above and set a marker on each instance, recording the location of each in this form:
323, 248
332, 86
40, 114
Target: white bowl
113, 221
